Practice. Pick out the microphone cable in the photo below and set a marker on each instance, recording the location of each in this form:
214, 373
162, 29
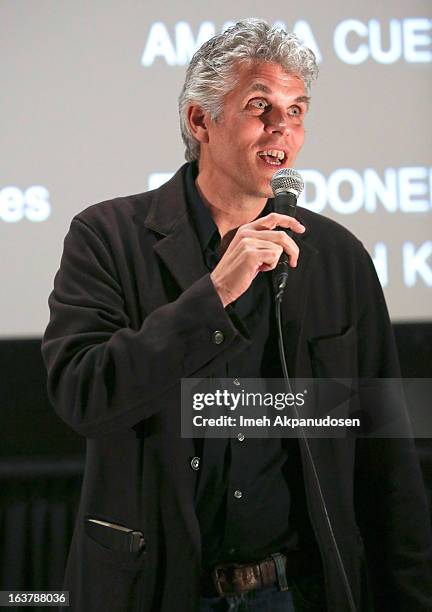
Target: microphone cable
287, 185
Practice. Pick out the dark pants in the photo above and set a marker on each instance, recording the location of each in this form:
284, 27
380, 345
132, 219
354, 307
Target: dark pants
305, 595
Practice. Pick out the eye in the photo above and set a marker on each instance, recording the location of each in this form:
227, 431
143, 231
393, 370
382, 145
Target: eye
295, 111
258, 103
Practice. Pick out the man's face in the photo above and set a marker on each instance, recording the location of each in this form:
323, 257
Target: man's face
264, 112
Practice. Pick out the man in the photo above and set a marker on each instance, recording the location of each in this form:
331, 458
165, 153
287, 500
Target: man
176, 283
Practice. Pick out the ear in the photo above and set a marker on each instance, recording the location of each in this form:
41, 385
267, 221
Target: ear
198, 122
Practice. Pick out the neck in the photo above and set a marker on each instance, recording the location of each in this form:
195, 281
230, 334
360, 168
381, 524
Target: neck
229, 210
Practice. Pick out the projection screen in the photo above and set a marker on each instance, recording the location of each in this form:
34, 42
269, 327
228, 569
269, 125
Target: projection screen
89, 112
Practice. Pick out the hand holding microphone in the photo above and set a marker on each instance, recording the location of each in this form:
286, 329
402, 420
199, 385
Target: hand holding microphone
257, 247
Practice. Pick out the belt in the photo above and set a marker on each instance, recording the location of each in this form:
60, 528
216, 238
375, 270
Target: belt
231, 579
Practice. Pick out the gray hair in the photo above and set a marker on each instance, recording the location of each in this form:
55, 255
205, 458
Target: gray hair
209, 74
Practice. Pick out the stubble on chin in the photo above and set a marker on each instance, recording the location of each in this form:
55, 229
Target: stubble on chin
264, 191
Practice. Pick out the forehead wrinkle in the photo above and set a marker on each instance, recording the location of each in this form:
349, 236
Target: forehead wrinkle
259, 87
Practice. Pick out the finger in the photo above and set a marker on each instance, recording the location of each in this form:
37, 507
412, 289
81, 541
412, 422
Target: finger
273, 220
265, 268
268, 259
263, 239
277, 236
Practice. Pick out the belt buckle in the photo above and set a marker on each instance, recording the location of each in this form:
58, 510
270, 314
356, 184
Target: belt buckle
216, 580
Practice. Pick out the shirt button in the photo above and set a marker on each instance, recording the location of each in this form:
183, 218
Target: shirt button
236, 382
195, 461
238, 494
218, 337
240, 437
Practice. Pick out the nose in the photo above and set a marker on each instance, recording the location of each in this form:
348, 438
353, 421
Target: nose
275, 121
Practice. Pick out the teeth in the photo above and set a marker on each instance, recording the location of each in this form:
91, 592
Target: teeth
273, 153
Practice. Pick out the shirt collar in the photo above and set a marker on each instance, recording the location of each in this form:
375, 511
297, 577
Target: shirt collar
206, 228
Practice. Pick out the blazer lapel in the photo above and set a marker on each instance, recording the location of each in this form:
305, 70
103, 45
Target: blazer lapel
181, 254
179, 247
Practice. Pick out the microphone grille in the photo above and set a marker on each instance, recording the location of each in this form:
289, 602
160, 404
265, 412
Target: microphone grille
285, 180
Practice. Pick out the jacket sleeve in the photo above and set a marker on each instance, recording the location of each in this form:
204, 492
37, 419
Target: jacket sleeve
390, 497
104, 375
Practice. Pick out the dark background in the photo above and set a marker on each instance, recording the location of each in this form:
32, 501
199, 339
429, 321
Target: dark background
42, 461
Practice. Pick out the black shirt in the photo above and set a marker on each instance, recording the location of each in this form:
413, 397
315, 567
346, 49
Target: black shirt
243, 500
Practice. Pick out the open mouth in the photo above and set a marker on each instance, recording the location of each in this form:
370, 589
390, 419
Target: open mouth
273, 157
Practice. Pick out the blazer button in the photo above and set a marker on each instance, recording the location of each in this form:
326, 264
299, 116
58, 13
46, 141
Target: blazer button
195, 461
218, 337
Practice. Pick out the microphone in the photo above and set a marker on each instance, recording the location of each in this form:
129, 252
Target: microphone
287, 184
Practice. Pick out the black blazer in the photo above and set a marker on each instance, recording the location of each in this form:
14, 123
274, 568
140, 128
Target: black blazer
133, 310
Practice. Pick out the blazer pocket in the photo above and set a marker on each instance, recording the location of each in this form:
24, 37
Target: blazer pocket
106, 578
334, 356
113, 543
